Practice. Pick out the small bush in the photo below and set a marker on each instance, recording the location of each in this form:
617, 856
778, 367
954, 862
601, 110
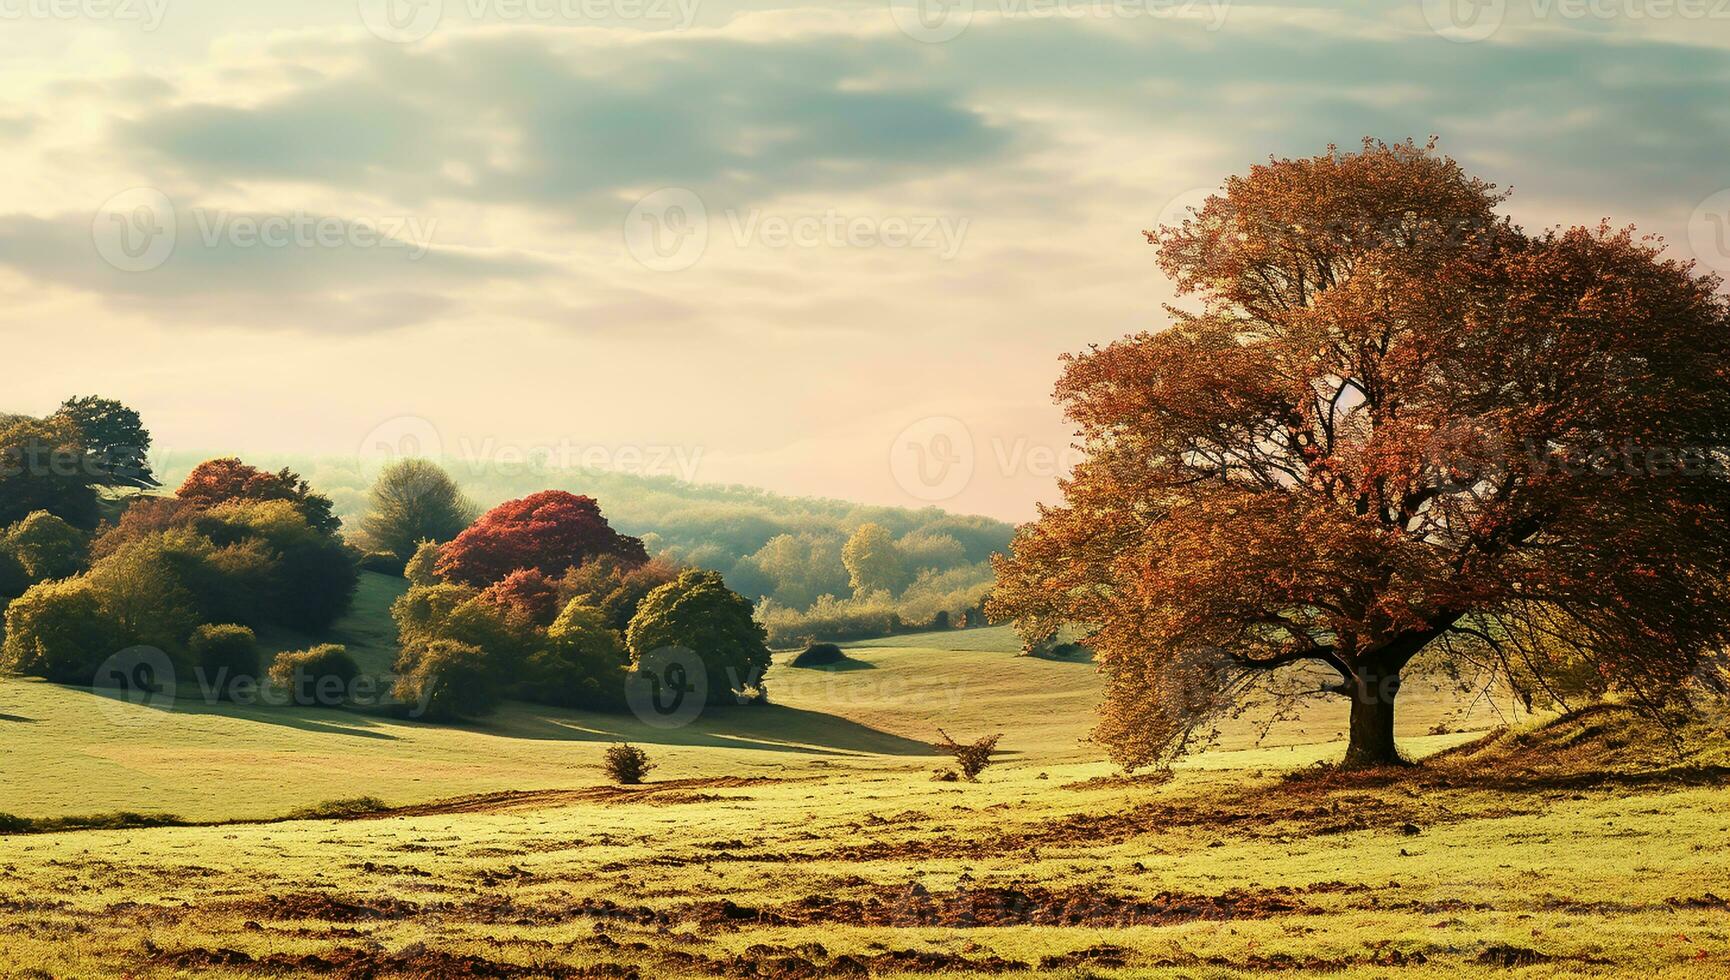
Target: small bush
626, 764
819, 655
319, 676
356, 806
970, 758
450, 681
224, 653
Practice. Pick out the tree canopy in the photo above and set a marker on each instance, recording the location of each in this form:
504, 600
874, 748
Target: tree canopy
549, 532
1397, 424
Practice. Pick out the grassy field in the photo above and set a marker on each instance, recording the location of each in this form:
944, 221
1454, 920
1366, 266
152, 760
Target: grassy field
807, 838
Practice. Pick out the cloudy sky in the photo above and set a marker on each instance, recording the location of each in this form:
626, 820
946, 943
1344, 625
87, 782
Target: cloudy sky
831, 248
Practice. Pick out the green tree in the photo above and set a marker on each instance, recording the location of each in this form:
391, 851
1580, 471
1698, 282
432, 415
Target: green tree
924, 550
582, 664
450, 681
44, 466
873, 563
147, 589
697, 612
58, 630
46, 547
115, 438
315, 574
413, 501
799, 568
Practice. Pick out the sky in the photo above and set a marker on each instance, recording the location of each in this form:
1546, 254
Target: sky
823, 248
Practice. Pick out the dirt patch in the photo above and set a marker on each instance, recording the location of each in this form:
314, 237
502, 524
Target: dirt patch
323, 907
1706, 901
812, 961
1510, 957
1285, 962
415, 961
1011, 906
1104, 955
670, 792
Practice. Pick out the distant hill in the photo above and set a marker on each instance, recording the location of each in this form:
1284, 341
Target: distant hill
769, 546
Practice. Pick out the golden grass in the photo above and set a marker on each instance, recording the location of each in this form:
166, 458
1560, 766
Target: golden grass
1566, 849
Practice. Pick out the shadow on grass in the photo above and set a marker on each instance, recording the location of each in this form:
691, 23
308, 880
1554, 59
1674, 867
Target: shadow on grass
842, 666
768, 727
17, 718
356, 722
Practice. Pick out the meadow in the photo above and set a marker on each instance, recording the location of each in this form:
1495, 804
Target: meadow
809, 838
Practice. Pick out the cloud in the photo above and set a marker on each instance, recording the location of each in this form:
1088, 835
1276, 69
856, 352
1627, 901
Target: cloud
312, 273
567, 123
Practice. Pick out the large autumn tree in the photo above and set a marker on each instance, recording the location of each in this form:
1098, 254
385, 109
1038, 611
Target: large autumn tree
1395, 425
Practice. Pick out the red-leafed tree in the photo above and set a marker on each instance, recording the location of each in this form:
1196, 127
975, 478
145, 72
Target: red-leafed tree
216, 481
548, 532
527, 593
1399, 426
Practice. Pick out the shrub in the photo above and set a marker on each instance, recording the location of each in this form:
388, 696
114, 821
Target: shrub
46, 547
419, 569
626, 764
317, 676
223, 653
698, 612
58, 630
450, 681
971, 758
819, 655
550, 532
582, 664
343, 809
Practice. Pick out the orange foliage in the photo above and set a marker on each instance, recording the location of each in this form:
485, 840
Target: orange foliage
1398, 424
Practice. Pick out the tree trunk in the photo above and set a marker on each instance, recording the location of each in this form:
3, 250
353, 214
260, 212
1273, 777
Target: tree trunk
1372, 728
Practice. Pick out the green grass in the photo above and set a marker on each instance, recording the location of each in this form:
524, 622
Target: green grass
1570, 841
